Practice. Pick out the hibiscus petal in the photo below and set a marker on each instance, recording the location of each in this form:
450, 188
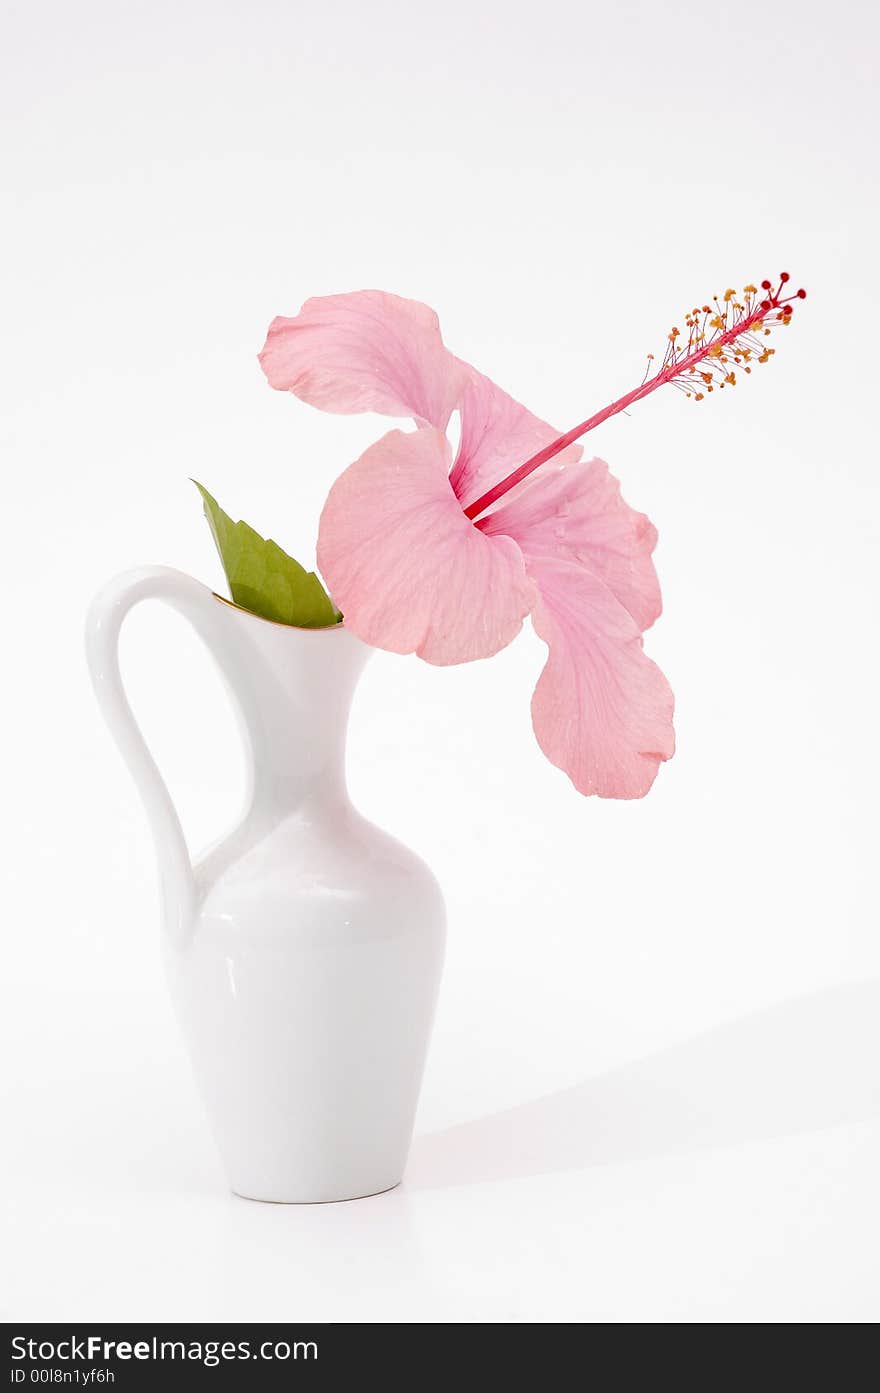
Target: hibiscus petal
602, 711
497, 434
366, 351
406, 567
576, 512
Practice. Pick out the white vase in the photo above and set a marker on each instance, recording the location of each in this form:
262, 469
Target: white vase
304, 950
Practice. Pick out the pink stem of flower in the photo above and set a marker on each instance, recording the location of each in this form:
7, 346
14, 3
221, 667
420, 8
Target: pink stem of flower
673, 369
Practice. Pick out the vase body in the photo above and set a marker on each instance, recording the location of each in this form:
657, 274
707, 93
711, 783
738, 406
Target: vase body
304, 950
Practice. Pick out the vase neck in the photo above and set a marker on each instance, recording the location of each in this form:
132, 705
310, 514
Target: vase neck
293, 689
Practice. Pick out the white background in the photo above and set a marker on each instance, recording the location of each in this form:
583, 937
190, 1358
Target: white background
654, 1086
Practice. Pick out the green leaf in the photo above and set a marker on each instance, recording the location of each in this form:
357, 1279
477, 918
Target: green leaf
263, 578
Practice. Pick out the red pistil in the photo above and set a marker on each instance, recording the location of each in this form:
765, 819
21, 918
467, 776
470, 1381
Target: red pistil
737, 327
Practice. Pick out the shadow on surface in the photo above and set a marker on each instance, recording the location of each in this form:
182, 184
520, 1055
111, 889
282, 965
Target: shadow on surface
802, 1065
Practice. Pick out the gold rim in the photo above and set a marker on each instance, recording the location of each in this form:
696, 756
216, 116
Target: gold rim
297, 628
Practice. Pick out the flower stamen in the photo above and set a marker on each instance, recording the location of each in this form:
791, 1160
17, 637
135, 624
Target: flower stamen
717, 340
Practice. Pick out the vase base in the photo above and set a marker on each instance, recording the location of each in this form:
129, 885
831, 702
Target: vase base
317, 1199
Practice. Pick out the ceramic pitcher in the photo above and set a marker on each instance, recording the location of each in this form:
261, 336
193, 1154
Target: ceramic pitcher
303, 950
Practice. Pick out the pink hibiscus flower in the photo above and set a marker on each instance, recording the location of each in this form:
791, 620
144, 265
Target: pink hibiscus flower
413, 574
445, 557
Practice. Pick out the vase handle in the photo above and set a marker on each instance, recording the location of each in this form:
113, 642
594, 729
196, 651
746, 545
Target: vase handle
103, 625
